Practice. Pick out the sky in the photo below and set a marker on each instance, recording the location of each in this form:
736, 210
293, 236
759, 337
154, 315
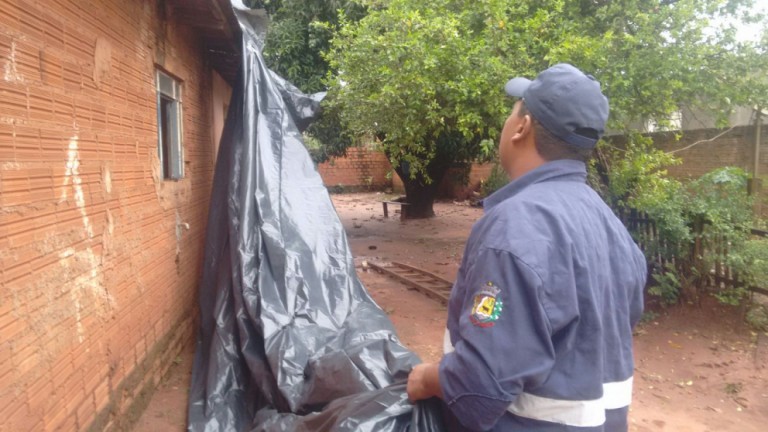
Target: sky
752, 32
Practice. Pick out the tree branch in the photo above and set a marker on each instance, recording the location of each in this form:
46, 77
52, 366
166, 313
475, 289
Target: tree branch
702, 141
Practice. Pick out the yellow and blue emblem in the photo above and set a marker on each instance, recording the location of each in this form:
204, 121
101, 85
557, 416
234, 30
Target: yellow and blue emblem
487, 306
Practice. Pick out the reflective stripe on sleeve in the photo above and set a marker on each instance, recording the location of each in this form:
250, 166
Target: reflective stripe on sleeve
590, 413
584, 413
579, 413
447, 345
617, 394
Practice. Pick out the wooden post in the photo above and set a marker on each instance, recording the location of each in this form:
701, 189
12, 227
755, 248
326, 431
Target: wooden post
753, 187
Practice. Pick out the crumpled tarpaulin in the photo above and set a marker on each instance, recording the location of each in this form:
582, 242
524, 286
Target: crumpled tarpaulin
289, 338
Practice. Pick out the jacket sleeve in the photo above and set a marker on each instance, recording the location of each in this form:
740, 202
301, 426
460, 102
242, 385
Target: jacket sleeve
503, 344
636, 296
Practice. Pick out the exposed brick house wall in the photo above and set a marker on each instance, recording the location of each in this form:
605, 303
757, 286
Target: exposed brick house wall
99, 274
361, 168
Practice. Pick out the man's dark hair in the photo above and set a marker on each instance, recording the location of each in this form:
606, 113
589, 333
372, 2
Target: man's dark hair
553, 148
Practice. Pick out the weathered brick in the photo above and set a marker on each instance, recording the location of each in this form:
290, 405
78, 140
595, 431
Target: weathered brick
40, 105
14, 97
40, 396
29, 20
7, 374
53, 30
14, 184
17, 272
9, 19
26, 359
101, 395
53, 98
71, 75
60, 420
18, 418
62, 371
86, 413
95, 377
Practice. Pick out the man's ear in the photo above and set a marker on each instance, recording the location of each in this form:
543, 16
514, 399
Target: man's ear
523, 130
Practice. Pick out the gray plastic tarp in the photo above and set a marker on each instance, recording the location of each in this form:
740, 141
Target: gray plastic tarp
289, 340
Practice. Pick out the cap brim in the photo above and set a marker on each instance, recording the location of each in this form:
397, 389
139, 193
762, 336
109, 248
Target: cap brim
516, 87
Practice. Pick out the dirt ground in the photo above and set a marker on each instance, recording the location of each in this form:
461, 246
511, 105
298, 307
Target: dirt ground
698, 368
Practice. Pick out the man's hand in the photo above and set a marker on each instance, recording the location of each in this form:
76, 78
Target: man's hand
424, 382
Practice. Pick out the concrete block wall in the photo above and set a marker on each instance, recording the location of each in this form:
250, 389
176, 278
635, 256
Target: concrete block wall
98, 274
360, 169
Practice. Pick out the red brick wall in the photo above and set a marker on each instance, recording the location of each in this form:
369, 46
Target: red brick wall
362, 168
451, 186
98, 282
734, 148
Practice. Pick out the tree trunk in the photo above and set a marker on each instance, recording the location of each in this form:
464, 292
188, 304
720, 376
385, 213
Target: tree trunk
418, 194
421, 198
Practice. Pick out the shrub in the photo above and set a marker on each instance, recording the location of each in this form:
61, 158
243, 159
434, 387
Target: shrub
699, 226
666, 287
496, 180
751, 263
757, 317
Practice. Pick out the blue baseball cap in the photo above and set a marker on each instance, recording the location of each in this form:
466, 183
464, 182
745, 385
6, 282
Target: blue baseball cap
565, 101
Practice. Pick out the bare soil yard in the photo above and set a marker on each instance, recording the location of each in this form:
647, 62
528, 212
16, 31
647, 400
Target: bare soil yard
698, 367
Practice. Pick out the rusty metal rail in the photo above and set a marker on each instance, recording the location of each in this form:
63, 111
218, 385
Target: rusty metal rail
423, 281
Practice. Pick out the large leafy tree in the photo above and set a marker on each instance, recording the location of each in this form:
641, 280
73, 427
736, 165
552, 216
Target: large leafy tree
299, 32
426, 76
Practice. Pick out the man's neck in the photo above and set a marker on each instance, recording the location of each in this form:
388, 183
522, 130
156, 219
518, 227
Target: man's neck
524, 165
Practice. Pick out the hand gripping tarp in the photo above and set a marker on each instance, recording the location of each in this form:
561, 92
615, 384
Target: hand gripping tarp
289, 338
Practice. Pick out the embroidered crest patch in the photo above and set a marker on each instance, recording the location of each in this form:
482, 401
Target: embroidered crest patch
487, 306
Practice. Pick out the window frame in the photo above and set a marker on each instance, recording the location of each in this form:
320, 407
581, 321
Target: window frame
169, 90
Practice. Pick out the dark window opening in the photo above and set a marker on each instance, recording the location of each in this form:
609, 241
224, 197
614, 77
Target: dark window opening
169, 130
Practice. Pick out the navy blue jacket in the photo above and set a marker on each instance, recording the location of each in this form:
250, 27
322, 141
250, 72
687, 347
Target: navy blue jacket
539, 334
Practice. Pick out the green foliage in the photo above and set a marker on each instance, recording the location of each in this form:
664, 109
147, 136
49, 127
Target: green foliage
699, 225
637, 179
751, 262
299, 33
757, 317
489, 151
330, 137
423, 76
426, 76
648, 317
496, 180
719, 199
666, 287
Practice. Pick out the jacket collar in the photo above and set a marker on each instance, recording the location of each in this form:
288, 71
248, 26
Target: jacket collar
560, 170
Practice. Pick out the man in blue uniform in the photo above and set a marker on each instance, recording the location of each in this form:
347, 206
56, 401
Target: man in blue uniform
539, 332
